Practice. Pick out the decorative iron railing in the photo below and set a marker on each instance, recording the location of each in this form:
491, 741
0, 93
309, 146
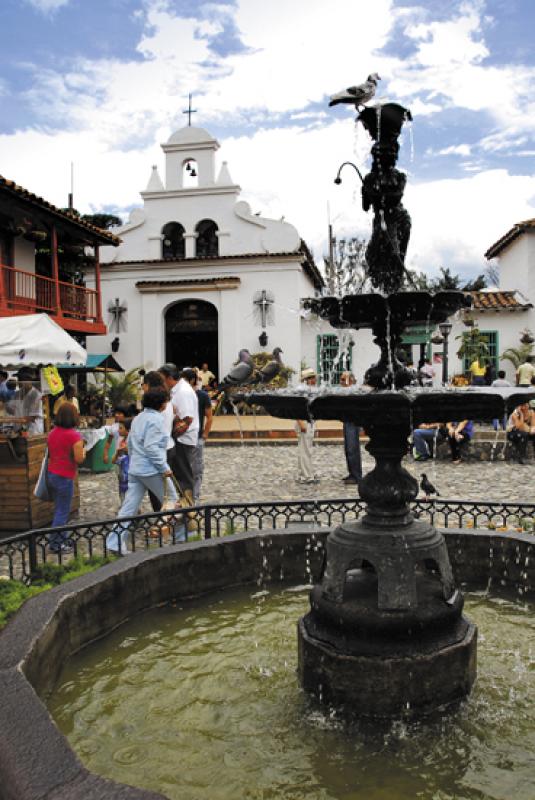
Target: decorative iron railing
22, 554
24, 291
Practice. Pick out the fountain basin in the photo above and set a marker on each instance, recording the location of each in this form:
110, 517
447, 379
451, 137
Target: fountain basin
36, 760
409, 406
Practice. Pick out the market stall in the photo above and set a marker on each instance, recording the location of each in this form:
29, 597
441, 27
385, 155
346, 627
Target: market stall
28, 343
92, 425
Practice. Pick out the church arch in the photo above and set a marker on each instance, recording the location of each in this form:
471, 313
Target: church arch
207, 239
173, 244
191, 334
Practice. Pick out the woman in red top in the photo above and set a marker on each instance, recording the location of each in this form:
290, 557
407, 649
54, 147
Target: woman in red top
65, 452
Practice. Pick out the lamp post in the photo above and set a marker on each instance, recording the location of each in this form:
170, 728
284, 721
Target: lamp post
445, 330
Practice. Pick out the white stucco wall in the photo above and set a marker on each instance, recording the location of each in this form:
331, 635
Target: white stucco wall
517, 266
143, 343
24, 254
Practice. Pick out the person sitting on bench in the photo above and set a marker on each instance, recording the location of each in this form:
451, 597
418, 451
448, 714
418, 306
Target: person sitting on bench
459, 434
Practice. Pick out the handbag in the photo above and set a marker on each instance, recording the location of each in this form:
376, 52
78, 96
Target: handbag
42, 489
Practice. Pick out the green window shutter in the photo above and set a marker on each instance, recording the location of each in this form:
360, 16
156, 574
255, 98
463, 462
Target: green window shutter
329, 364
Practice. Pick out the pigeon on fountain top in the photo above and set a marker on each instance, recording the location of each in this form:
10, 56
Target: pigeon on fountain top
357, 95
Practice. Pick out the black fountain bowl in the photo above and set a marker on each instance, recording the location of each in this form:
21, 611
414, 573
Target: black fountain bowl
281, 404
411, 407
390, 116
404, 308
391, 408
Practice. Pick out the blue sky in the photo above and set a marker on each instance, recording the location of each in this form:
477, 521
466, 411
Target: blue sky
103, 83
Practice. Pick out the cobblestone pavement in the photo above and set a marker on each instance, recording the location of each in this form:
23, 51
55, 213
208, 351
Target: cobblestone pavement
267, 472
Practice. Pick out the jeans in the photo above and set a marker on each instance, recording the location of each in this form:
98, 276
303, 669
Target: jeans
423, 439
62, 490
305, 441
456, 444
116, 540
352, 450
198, 470
496, 423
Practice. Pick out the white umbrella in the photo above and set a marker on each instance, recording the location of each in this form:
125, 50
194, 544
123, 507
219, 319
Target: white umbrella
34, 340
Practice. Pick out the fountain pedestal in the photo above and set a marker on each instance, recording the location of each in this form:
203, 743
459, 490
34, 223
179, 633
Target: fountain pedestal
385, 632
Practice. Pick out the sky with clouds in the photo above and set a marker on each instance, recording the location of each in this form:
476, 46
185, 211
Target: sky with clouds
104, 83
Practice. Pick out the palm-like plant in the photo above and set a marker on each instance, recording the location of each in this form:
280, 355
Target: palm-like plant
474, 346
517, 355
121, 389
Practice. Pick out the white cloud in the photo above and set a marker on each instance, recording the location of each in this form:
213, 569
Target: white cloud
47, 6
454, 150
456, 221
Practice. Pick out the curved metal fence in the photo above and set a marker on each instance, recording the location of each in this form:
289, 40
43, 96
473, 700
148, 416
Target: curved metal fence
22, 554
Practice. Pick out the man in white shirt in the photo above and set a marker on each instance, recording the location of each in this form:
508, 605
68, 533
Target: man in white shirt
185, 426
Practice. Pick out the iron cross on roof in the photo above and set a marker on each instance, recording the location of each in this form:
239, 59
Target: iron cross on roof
189, 111
263, 300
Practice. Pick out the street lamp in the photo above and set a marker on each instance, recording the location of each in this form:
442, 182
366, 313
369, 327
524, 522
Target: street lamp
445, 330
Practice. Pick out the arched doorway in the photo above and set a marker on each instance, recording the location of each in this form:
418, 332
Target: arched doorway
191, 334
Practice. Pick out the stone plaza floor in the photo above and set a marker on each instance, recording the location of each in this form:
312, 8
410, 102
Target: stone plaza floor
238, 473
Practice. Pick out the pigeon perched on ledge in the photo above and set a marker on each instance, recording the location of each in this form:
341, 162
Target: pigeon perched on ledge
240, 373
427, 487
357, 95
272, 368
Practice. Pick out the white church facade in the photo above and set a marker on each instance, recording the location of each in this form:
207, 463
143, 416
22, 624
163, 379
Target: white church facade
198, 275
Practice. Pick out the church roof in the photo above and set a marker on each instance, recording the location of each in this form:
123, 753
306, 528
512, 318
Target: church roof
19, 192
191, 135
307, 261
517, 230
500, 301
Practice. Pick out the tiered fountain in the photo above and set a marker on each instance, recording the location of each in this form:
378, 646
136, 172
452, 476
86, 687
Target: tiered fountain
386, 632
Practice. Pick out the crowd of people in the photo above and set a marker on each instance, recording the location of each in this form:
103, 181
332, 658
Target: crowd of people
157, 450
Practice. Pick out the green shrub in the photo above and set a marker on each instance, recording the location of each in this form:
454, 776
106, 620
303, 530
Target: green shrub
14, 593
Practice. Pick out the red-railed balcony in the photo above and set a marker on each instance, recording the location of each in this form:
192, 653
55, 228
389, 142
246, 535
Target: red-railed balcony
75, 308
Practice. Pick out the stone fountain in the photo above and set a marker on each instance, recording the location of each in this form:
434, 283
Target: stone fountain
386, 632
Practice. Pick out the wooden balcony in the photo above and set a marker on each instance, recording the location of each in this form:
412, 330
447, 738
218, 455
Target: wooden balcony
75, 308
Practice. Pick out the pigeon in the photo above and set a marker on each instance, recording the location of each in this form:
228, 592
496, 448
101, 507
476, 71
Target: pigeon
358, 95
427, 488
272, 368
240, 373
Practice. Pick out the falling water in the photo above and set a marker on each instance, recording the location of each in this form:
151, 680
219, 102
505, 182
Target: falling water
411, 139
494, 444
378, 110
389, 344
237, 415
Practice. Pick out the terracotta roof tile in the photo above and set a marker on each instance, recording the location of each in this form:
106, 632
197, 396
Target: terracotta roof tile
499, 301
189, 281
13, 188
516, 231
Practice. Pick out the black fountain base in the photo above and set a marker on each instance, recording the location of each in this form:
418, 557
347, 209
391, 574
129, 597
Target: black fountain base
399, 678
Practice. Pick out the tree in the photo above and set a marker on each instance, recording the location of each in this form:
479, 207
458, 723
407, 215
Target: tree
492, 274
347, 273
446, 281
102, 220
